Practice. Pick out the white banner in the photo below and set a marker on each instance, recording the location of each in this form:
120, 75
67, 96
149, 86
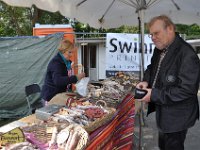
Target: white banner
123, 53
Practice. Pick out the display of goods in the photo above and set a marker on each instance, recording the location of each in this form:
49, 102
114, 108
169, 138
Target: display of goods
73, 137
41, 134
100, 121
113, 89
68, 126
56, 136
21, 146
89, 117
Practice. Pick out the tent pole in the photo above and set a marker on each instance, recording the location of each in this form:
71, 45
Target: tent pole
141, 14
141, 47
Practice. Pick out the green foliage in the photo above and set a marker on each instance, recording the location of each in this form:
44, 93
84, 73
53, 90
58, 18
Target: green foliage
194, 29
46, 17
14, 21
191, 31
80, 27
18, 21
124, 29
182, 28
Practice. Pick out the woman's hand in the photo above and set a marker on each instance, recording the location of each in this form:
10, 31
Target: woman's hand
80, 76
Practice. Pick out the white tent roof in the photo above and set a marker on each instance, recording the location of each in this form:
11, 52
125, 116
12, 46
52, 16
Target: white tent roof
114, 13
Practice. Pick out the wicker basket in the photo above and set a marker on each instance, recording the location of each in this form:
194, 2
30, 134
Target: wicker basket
100, 121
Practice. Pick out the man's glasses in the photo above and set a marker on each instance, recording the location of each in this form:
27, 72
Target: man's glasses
155, 34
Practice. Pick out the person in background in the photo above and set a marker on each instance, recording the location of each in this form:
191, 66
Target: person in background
59, 76
172, 82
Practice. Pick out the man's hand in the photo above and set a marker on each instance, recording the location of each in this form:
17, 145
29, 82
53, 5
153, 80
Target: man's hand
147, 97
142, 85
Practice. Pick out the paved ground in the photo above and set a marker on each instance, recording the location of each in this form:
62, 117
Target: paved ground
149, 134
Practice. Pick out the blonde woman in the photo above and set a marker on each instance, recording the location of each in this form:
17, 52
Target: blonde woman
59, 76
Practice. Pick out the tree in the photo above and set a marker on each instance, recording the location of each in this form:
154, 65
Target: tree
18, 21
191, 31
14, 21
45, 17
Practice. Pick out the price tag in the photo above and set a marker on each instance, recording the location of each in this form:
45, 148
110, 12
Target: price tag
11, 137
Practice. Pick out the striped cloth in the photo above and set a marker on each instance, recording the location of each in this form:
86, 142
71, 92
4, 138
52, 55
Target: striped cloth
117, 134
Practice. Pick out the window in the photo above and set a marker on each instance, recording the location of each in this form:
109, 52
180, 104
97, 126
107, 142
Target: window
93, 56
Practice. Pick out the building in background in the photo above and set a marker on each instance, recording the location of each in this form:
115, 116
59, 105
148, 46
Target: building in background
90, 52
121, 49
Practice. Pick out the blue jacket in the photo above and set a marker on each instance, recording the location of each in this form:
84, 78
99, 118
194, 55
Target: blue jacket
56, 79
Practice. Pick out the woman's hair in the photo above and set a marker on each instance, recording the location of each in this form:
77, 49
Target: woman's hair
166, 20
65, 45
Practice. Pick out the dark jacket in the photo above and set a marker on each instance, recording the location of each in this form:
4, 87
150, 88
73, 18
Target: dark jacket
56, 79
174, 97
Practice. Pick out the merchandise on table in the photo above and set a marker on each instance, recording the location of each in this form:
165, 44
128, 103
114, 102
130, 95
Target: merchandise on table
67, 124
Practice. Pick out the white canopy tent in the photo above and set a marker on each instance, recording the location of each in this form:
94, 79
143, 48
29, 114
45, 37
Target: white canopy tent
114, 13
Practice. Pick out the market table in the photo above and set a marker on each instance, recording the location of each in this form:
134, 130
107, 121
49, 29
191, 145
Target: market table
115, 134
118, 133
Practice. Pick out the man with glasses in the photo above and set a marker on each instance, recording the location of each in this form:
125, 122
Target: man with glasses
172, 82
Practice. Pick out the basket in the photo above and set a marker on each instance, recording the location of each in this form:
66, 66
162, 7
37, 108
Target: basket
81, 139
100, 121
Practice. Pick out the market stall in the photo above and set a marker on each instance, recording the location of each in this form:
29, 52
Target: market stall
103, 120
